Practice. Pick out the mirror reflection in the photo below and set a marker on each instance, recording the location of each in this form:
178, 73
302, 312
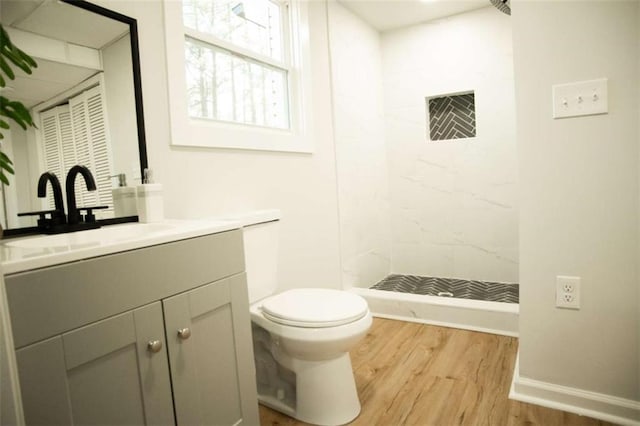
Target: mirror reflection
82, 99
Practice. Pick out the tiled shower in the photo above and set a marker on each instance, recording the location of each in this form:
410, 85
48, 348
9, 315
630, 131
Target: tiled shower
426, 159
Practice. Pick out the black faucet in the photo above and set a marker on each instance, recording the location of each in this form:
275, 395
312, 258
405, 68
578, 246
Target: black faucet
58, 214
73, 215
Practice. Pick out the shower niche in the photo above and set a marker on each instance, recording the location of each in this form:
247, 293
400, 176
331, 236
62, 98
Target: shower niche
451, 116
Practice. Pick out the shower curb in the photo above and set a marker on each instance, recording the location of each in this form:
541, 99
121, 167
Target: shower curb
475, 315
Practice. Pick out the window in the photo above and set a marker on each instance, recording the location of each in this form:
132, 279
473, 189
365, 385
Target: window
223, 86
235, 67
240, 68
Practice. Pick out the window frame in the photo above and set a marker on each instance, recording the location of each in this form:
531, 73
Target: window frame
199, 132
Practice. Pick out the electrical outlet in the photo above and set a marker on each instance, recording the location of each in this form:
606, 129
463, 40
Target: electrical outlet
567, 292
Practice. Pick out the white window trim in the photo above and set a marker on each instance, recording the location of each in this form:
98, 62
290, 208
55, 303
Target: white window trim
187, 131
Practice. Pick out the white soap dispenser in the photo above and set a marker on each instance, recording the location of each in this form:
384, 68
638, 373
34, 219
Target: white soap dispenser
150, 200
124, 198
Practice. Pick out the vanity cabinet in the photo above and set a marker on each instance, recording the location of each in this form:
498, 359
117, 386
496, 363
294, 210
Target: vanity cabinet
209, 374
99, 373
158, 335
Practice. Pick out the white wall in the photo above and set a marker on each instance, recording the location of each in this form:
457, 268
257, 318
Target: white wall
20, 158
121, 107
361, 161
579, 195
19, 196
206, 182
638, 261
454, 203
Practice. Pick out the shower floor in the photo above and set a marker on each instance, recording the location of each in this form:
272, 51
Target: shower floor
451, 287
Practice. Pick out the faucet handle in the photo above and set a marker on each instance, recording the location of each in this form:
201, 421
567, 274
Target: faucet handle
40, 213
44, 223
90, 217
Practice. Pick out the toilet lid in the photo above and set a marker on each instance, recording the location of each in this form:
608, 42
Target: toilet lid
314, 307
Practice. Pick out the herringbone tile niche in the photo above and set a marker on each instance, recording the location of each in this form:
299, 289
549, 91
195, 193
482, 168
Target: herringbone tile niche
452, 117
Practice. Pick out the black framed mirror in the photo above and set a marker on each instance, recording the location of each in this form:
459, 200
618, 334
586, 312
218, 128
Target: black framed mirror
86, 100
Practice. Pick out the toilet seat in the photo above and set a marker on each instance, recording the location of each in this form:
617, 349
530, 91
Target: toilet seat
314, 308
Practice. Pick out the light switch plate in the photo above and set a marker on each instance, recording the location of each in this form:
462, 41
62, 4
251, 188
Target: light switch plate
580, 98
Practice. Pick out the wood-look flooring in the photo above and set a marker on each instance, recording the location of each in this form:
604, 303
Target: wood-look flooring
416, 374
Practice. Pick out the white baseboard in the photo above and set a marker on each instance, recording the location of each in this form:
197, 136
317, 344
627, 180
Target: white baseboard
585, 403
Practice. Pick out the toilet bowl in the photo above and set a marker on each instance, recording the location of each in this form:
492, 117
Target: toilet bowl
310, 332
301, 337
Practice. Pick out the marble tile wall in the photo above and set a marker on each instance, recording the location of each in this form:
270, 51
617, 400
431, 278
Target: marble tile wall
454, 206
361, 160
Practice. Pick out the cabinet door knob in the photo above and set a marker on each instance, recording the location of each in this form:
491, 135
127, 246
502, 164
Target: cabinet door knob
184, 333
154, 346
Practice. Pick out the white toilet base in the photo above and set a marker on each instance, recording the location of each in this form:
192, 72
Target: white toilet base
325, 392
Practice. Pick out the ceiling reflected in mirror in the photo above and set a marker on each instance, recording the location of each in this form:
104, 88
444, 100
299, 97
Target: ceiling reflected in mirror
85, 34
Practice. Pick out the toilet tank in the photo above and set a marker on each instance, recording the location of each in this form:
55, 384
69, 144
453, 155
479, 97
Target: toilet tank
260, 235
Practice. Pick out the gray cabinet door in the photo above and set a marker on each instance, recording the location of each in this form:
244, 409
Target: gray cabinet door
102, 373
212, 368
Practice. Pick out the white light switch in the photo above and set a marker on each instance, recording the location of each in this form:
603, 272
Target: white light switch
581, 98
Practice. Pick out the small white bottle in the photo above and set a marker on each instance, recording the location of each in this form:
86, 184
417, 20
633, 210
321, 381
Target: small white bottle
150, 200
124, 198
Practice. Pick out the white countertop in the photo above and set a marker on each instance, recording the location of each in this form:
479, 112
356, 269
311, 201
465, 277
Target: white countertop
39, 251
254, 217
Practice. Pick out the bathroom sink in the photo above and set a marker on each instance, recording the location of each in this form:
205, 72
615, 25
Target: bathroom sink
94, 237
17, 255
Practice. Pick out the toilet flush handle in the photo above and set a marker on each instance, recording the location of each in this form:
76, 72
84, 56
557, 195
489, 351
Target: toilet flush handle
184, 333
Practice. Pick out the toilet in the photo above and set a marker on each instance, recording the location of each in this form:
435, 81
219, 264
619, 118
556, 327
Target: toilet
301, 337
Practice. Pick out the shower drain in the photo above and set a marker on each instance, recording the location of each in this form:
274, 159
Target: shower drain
445, 294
